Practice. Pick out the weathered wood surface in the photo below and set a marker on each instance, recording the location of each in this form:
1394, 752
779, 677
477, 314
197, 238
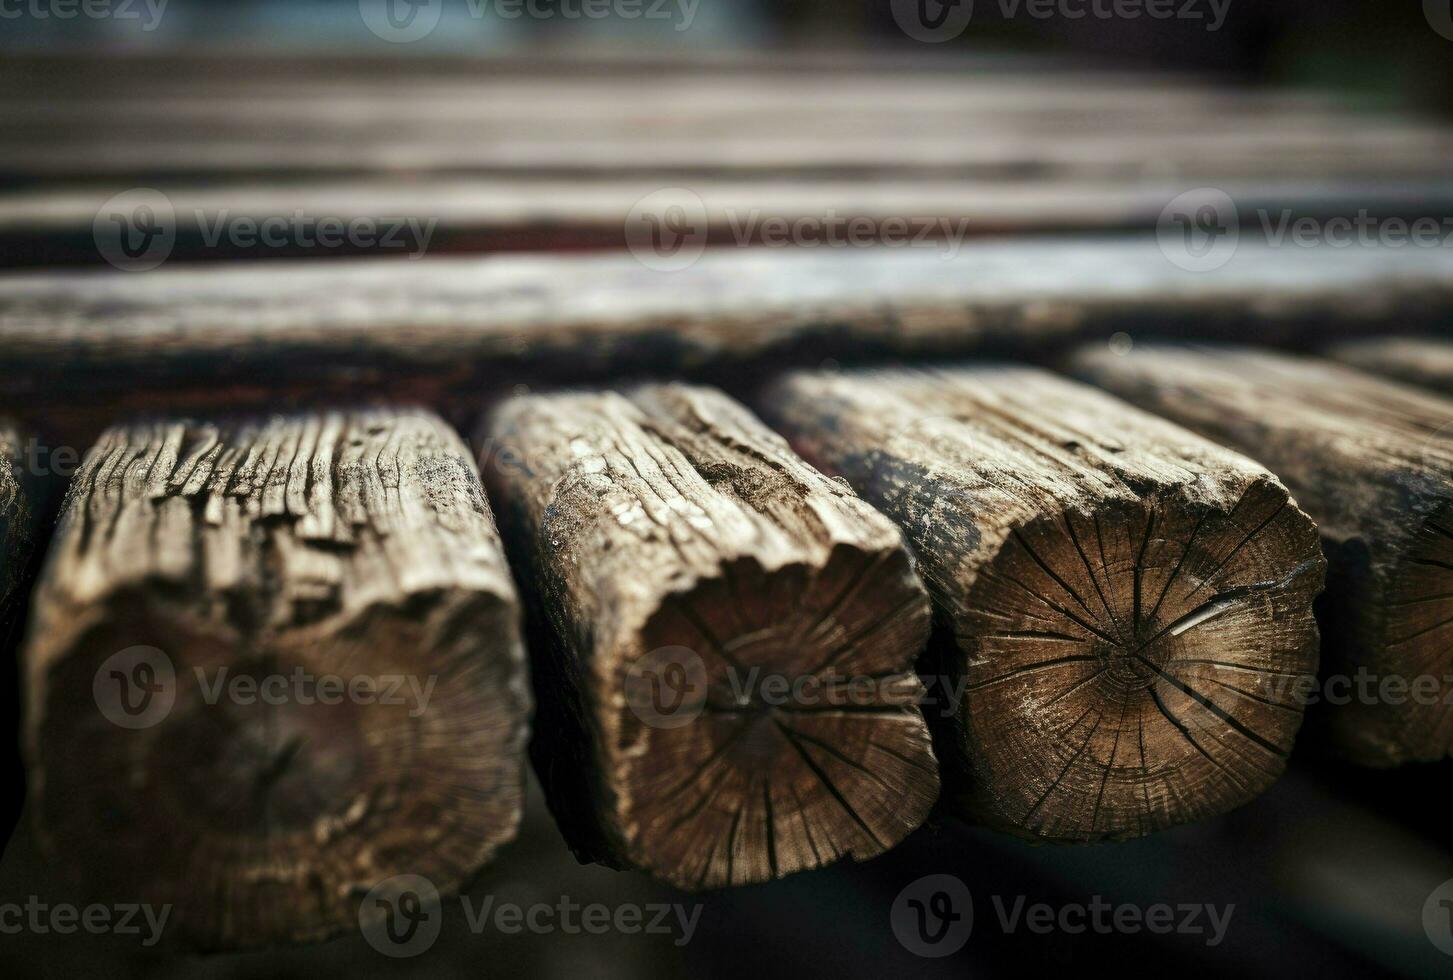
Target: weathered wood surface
1110, 588
726, 692
1372, 462
345, 563
56, 224
80, 348
19, 528
1423, 361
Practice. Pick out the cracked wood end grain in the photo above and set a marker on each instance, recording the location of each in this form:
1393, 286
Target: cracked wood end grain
1372, 462
18, 531
686, 565
1110, 588
355, 545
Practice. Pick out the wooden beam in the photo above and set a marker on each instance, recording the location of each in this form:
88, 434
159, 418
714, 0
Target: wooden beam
1423, 361
726, 688
77, 349
303, 643
55, 224
1111, 588
1372, 462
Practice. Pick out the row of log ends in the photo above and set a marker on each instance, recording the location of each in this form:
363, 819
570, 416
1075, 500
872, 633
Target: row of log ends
727, 627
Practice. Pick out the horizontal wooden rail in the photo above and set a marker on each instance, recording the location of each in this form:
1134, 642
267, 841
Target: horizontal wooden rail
1111, 588
80, 349
727, 639
1372, 462
1423, 361
271, 665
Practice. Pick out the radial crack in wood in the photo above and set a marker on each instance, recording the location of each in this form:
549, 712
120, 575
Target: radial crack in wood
1113, 592
725, 676
1372, 461
273, 664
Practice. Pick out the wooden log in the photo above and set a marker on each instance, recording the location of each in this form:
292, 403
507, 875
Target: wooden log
19, 519
1107, 584
1423, 361
1372, 462
689, 570
77, 348
304, 644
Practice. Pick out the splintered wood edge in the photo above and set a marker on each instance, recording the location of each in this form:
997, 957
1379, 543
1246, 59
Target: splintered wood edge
1136, 667
268, 823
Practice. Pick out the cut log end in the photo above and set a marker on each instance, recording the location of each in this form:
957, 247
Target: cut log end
1138, 668
1416, 619
271, 666
292, 803
772, 723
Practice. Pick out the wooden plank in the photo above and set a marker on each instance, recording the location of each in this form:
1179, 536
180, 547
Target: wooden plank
1107, 582
1194, 156
727, 691
58, 225
1372, 462
304, 645
78, 348
20, 519
1423, 361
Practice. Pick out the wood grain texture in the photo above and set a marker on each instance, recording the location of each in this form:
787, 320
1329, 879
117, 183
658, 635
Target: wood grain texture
54, 223
351, 555
686, 565
1109, 588
78, 348
1423, 361
19, 529
1372, 462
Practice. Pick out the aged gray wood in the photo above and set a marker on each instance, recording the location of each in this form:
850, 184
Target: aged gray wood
77, 348
1110, 586
725, 677
1423, 361
349, 556
1372, 462
19, 528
